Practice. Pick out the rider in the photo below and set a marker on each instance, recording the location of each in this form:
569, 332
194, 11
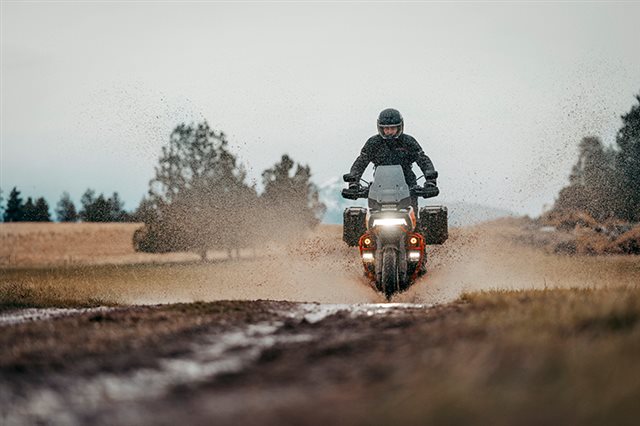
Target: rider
391, 146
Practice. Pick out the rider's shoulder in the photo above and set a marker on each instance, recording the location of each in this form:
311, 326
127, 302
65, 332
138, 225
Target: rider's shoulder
412, 143
373, 140
409, 139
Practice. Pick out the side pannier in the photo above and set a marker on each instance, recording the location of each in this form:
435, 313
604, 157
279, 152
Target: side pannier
354, 224
433, 224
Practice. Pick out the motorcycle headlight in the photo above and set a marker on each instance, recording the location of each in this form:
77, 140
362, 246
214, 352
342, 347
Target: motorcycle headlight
390, 221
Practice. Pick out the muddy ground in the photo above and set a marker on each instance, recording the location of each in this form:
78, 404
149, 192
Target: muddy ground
333, 353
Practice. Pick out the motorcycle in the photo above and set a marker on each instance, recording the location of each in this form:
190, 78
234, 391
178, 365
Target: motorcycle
391, 236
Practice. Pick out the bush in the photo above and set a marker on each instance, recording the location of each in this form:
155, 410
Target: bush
569, 220
629, 242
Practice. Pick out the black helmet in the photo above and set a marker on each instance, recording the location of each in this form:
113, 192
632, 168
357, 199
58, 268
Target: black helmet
390, 118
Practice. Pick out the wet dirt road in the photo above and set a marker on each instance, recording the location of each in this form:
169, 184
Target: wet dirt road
214, 364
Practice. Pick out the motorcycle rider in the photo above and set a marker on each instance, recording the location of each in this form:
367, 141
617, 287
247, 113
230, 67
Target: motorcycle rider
391, 146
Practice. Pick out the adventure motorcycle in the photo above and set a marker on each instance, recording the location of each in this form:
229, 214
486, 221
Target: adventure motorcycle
390, 237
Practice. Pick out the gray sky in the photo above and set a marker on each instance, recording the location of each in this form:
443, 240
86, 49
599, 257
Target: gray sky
498, 94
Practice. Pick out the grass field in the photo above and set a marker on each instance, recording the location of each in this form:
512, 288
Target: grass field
24, 245
320, 268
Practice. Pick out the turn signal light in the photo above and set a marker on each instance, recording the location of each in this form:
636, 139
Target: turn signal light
413, 240
367, 241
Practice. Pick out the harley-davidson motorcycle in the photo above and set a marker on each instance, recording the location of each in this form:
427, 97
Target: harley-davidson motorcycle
391, 236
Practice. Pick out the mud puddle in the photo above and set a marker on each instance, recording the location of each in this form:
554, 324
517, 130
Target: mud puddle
65, 399
19, 316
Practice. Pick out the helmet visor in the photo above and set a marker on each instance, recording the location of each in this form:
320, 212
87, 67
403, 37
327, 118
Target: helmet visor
389, 131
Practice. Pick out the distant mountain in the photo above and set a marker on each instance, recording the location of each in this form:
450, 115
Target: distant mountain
330, 196
460, 213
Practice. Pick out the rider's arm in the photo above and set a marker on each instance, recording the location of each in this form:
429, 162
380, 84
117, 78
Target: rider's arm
422, 160
363, 160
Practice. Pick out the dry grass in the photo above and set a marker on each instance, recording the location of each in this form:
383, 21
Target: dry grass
58, 244
17, 295
576, 234
529, 358
579, 233
320, 268
629, 242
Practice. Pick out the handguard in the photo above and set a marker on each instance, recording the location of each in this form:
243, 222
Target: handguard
354, 193
428, 191
349, 178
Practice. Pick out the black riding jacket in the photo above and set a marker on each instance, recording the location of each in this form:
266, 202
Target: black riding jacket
403, 151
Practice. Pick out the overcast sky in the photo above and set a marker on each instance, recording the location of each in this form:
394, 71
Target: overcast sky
498, 94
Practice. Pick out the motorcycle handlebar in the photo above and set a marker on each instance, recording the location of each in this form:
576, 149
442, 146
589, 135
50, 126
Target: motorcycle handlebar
363, 192
426, 192
355, 193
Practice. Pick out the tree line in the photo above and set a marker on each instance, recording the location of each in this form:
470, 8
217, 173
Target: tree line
199, 199
93, 208
605, 181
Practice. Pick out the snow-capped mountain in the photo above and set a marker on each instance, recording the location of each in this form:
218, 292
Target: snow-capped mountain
330, 195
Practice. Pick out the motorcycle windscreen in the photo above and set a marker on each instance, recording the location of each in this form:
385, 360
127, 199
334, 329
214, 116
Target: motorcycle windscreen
389, 188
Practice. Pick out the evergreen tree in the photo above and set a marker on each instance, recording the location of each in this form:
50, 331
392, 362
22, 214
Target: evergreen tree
94, 209
592, 181
290, 198
146, 212
101, 209
1, 205
14, 212
66, 210
605, 182
199, 195
628, 164
41, 211
29, 211
87, 200
116, 209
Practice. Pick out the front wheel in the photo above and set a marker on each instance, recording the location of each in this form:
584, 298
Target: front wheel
390, 273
